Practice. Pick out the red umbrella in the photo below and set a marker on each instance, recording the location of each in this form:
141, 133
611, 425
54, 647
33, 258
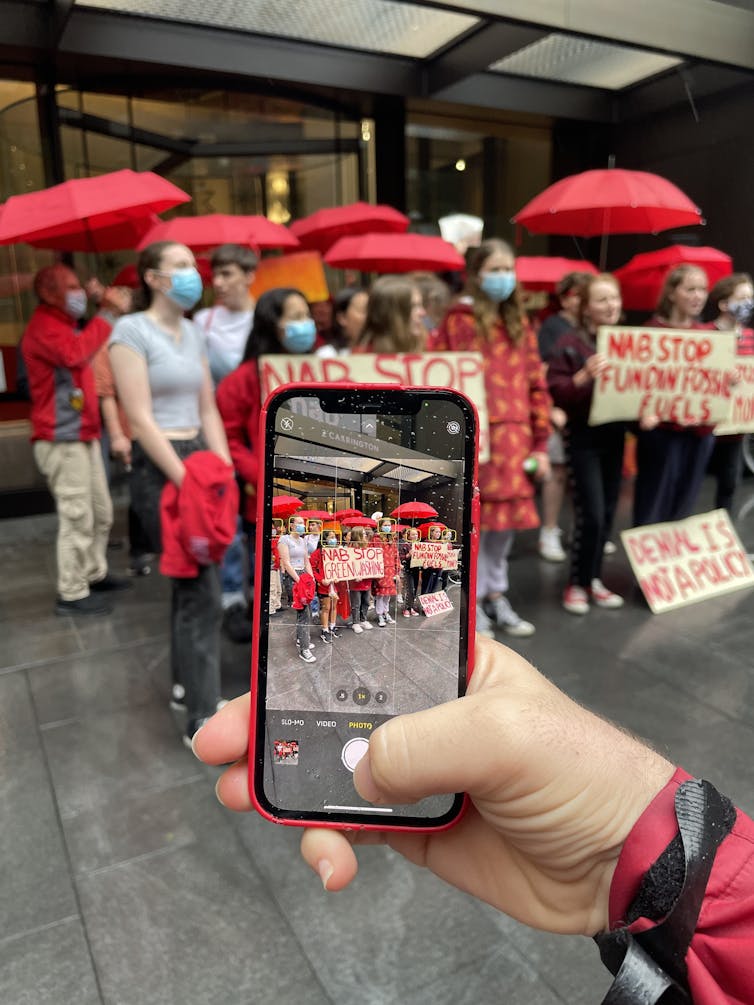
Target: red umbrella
113, 237
314, 514
285, 506
642, 277
394, 253
322, 229
539, 272
203, 232
414, 511
358, 521
608, 201
129, 277
339, 514
424, 528
78, 209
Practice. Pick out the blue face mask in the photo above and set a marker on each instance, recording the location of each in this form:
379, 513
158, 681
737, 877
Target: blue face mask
386, 528
331, 542
185, 287
299, 336
740, 310
498, 285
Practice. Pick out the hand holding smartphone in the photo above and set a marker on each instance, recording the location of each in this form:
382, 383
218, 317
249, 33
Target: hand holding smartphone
372, 625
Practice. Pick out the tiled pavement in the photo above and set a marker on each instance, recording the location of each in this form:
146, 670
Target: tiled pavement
125, 882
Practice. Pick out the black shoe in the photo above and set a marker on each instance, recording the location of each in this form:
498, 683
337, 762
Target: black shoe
110, 584
236, 623
86, 605
140, 565
326, 637
335, 632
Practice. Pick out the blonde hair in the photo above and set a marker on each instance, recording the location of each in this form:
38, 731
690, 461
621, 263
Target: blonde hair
388, 324
486, 311
585, 288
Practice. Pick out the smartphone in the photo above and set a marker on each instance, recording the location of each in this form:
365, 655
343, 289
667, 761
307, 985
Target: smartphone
391, 630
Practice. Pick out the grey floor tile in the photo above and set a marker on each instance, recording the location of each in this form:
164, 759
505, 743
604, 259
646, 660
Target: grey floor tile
192, 926
49, 965
115, 755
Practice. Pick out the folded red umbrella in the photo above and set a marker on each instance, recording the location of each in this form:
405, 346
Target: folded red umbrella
608, 201
642, 277
72, 214
394, 253
538, 272
414, 511
322, 229
203, 232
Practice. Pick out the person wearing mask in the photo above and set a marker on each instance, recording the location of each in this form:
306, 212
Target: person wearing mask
395, 317
226, 325
574, 827
387, 586
295, 562
282, 323
553, 490
349, 316
671, 459
594, 453
410, 574
329, 592
162, 377
732, 302
490, 319
66, 431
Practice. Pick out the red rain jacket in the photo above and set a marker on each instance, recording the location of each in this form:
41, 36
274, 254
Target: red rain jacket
64, 405
303, 591
199, 519
720, 960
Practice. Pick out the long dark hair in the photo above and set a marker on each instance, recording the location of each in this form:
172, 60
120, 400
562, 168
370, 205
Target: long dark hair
150, 258
388, 323
341, 303
263, 338
486, 312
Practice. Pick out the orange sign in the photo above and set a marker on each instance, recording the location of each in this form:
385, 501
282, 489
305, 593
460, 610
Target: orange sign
302, 271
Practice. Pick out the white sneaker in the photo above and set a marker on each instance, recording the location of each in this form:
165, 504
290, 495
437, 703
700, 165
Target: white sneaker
503, 615
381, 621
610, 548
367, 625
550, 547
604, 597
357, 628
307, 656
484, 625
389, 620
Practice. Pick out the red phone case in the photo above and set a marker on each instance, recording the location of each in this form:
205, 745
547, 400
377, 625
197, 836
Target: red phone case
256, 742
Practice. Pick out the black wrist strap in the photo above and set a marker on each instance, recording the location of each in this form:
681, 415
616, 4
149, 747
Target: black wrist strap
651, 966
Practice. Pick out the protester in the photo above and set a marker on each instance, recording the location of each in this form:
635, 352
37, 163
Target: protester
410, 586
435, 297
66, 431
226, 325
395, 317
295, 564
163, 379
732, 301
594, 453
567, 814
672, 459
349, 316
553, 489
490, 319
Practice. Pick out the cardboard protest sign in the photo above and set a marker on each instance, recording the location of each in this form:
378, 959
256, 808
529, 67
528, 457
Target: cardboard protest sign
687, 561
681, 376
435, 603
450, 563
431, 554
352, 563
461, 371
740, 419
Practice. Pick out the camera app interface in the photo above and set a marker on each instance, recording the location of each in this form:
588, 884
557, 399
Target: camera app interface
366, 592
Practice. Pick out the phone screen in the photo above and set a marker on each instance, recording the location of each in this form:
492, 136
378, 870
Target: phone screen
363, 592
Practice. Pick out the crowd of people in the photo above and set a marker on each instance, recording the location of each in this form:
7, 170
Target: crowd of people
169, 386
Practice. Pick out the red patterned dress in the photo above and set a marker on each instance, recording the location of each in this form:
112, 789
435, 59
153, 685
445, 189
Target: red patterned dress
518, 403
386, 587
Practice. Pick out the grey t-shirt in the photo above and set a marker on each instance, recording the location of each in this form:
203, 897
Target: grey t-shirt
296, 551
175, 369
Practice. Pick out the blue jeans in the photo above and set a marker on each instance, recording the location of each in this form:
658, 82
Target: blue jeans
233, 572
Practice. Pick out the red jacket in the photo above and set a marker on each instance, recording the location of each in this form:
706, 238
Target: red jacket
303, 591
720, 960
199, 519
238, 401
64, 404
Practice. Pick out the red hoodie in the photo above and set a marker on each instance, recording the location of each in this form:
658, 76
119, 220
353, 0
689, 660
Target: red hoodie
199, 519
64, 405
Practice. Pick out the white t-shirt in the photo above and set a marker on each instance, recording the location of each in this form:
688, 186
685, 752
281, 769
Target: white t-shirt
225, 333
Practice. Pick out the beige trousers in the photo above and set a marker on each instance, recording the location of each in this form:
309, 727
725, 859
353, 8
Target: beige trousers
76, 478
275, 591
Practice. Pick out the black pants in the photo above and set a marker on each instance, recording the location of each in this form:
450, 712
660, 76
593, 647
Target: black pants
671, 465
411, 580
595, 460
727, 467
196, 612
359, 605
